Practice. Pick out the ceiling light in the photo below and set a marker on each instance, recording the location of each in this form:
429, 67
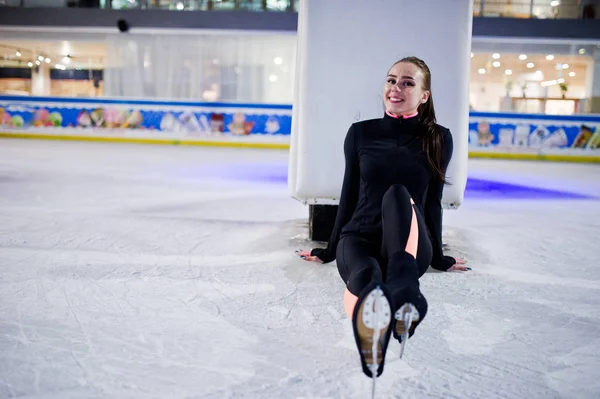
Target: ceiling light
18, 53
472, 54
38, 62
495, 56
278, 60
30, 64
40, 58
481, 71
523, 57
273, 78
554, 3
508, 72
530, 65
565, 66
571, 74
179, 6
549, 57
496, 64
48, 60
582, 51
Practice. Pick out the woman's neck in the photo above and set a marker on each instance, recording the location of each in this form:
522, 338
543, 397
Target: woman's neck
412, 115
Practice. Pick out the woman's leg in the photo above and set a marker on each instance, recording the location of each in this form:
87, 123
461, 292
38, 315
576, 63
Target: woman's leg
405, 243
407, 248
357, 266
366, 301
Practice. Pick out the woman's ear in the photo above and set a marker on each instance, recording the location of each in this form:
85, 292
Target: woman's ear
425, 97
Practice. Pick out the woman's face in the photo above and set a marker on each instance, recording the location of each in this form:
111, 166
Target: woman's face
403, 91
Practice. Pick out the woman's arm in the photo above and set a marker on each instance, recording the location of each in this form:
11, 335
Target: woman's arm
433, 209
348, 198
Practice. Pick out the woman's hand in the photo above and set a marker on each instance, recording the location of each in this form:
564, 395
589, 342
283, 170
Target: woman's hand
460, 265
306, 256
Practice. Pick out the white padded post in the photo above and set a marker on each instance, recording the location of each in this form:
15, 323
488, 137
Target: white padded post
345, 48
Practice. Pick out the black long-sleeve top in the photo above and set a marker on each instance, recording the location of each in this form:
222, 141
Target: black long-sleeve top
380, 153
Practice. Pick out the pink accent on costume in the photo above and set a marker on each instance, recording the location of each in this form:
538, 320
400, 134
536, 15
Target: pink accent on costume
349, 302
403, 116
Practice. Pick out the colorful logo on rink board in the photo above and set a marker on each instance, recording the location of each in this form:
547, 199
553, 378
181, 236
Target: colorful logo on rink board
519, 134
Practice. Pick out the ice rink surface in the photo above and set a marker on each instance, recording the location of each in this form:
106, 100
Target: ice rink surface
136, 271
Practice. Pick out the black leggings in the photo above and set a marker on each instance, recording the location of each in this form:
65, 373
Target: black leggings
361, 260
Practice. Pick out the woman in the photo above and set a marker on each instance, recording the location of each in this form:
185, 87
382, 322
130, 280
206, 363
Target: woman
388, 228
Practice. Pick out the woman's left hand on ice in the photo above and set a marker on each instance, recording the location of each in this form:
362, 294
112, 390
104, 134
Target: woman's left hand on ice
460, 265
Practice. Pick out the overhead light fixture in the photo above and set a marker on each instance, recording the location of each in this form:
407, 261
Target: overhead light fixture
552, 82
565, 66
30, 64
472, 54
48, 60
18, 53
481, 71
273, 78
40, 58
496, 64
278, 60
508, 72
549, 57
66, 59
496, 56
38, 62
523, 57
572, 74
554, 3
179, 6
530, 65
582, 51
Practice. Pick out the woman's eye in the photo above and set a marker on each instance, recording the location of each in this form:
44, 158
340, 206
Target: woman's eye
407, 84
391, 81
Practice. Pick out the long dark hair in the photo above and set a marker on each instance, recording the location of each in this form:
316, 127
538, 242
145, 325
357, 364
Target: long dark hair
432, 136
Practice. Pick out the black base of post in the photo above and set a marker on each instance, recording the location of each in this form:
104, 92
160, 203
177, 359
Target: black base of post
321, 219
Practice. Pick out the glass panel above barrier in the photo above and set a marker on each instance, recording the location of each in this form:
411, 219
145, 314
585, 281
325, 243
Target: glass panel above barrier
537, 9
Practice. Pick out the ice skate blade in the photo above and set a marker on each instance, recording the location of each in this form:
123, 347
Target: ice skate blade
406, 317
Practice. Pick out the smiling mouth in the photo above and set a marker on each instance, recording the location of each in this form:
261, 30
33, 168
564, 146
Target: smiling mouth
395, 100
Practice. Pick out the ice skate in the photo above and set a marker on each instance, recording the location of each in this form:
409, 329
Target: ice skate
408, 315
372, 325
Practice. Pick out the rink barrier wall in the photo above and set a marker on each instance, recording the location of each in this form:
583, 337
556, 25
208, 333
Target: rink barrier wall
572, 138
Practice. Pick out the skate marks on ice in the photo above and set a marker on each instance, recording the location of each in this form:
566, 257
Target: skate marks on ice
569, 375
475, 332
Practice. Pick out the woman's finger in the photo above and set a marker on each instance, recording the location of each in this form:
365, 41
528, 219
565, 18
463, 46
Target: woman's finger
312, 259
458, 267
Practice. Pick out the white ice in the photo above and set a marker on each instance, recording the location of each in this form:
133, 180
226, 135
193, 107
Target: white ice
136, 271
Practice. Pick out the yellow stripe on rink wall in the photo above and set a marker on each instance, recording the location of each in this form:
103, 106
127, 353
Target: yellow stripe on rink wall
286, 146
212, 143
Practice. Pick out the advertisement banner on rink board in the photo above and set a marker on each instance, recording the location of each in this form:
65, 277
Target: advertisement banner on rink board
501, 133
144, 119
490, 134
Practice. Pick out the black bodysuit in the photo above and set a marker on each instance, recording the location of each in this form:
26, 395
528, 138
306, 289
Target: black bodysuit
380, 154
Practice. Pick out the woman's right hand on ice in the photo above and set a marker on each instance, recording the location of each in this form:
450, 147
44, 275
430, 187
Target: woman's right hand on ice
307, 256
